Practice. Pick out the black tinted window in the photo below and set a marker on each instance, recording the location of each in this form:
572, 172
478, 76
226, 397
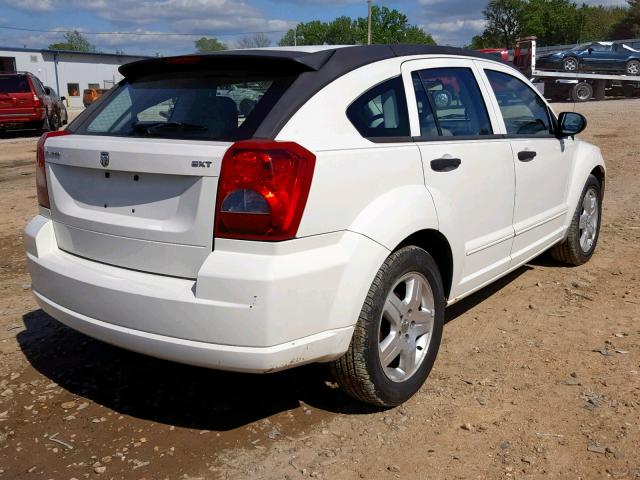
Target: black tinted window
381, 111
201, 105
453, 94
14, 84
524, 112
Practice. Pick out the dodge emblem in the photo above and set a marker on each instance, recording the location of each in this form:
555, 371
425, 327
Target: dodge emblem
104, 159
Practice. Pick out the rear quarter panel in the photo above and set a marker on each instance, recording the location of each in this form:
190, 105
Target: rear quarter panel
375, 189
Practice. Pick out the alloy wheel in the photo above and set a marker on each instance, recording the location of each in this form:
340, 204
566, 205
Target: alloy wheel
406, 326
570, 65
589, 220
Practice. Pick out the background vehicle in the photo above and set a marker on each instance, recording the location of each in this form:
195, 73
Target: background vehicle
59, 109
578, 86
90, 95
284, 237
594, 57
24, 103
500, 53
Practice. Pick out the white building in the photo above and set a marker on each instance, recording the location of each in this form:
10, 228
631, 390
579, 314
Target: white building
69, 73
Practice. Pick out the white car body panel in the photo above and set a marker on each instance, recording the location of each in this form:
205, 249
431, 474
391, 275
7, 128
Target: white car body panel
154, 280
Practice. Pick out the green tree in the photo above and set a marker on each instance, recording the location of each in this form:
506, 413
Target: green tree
74, 41
554, 22
597, 22
504, 21
388, 27
391, 27
629, 25
204, 45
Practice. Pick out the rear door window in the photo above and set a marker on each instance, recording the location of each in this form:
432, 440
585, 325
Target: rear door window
450, 103
14, 84
523, 110
197, 105
381, 111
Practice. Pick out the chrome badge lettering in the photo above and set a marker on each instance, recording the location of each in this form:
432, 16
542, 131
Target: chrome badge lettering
200, 164
104, 159
52, 154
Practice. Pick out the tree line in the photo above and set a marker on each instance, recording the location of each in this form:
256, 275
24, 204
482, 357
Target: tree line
387, 26
556, 22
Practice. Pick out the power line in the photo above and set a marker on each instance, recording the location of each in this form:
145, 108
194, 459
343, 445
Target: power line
229, 34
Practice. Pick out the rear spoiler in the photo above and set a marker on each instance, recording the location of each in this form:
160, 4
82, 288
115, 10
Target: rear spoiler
282, 62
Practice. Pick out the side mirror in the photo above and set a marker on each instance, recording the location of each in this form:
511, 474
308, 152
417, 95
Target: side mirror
570, 124
47, 90
590, 50
63, 98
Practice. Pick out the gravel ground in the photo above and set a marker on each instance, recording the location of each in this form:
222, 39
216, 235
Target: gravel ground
538, 375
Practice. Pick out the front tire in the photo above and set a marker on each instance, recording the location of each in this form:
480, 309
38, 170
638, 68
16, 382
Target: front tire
584, 230
396, 338
570, 64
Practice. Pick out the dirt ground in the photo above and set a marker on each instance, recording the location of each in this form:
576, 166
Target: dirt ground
538, 375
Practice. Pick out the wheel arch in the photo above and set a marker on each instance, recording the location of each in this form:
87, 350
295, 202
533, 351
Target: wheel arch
588, 161
599, 172
437, 245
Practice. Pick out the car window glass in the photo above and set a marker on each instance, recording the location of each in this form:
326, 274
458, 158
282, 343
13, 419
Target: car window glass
37, 86
454, 95
428, 126
381, 111
524, 112
14, 84
203, 105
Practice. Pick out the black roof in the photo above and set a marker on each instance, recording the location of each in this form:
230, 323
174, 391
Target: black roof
339, 59
309, 71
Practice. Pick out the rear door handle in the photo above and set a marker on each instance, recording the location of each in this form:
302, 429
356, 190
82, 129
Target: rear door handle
526, 155
445, 164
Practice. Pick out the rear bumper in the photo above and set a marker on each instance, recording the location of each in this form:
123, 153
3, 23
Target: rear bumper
258, 308
325, 345
17, 120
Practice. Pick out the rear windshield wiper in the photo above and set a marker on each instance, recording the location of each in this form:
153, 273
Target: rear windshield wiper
148, 127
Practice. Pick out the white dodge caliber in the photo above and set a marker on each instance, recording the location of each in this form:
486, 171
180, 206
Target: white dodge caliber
255, 210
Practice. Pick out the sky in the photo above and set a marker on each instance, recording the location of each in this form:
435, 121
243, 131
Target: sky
168, 27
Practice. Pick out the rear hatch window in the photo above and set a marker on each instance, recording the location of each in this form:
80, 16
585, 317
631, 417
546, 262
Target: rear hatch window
14, 84
223, 106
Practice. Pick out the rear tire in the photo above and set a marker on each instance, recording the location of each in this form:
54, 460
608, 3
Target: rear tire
633, 68
45, 126
582, 92
54, 122
396, 338
584, 230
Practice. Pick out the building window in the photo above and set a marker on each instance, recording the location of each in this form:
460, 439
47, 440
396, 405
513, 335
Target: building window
73, 89
7, 64
94, 86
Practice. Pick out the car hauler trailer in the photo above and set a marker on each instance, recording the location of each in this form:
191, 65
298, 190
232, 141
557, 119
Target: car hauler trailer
577, 86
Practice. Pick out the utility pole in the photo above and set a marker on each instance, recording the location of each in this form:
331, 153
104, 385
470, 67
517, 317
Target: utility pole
369, 22
295, 36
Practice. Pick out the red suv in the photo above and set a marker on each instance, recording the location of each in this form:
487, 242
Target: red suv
24, 103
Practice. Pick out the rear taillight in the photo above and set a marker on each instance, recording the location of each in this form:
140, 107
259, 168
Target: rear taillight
262, 190
41, 175
36, 102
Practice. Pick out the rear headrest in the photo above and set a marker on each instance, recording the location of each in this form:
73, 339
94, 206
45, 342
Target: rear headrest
219, 114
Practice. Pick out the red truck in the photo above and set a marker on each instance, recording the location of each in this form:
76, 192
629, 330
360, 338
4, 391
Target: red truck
25, 103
